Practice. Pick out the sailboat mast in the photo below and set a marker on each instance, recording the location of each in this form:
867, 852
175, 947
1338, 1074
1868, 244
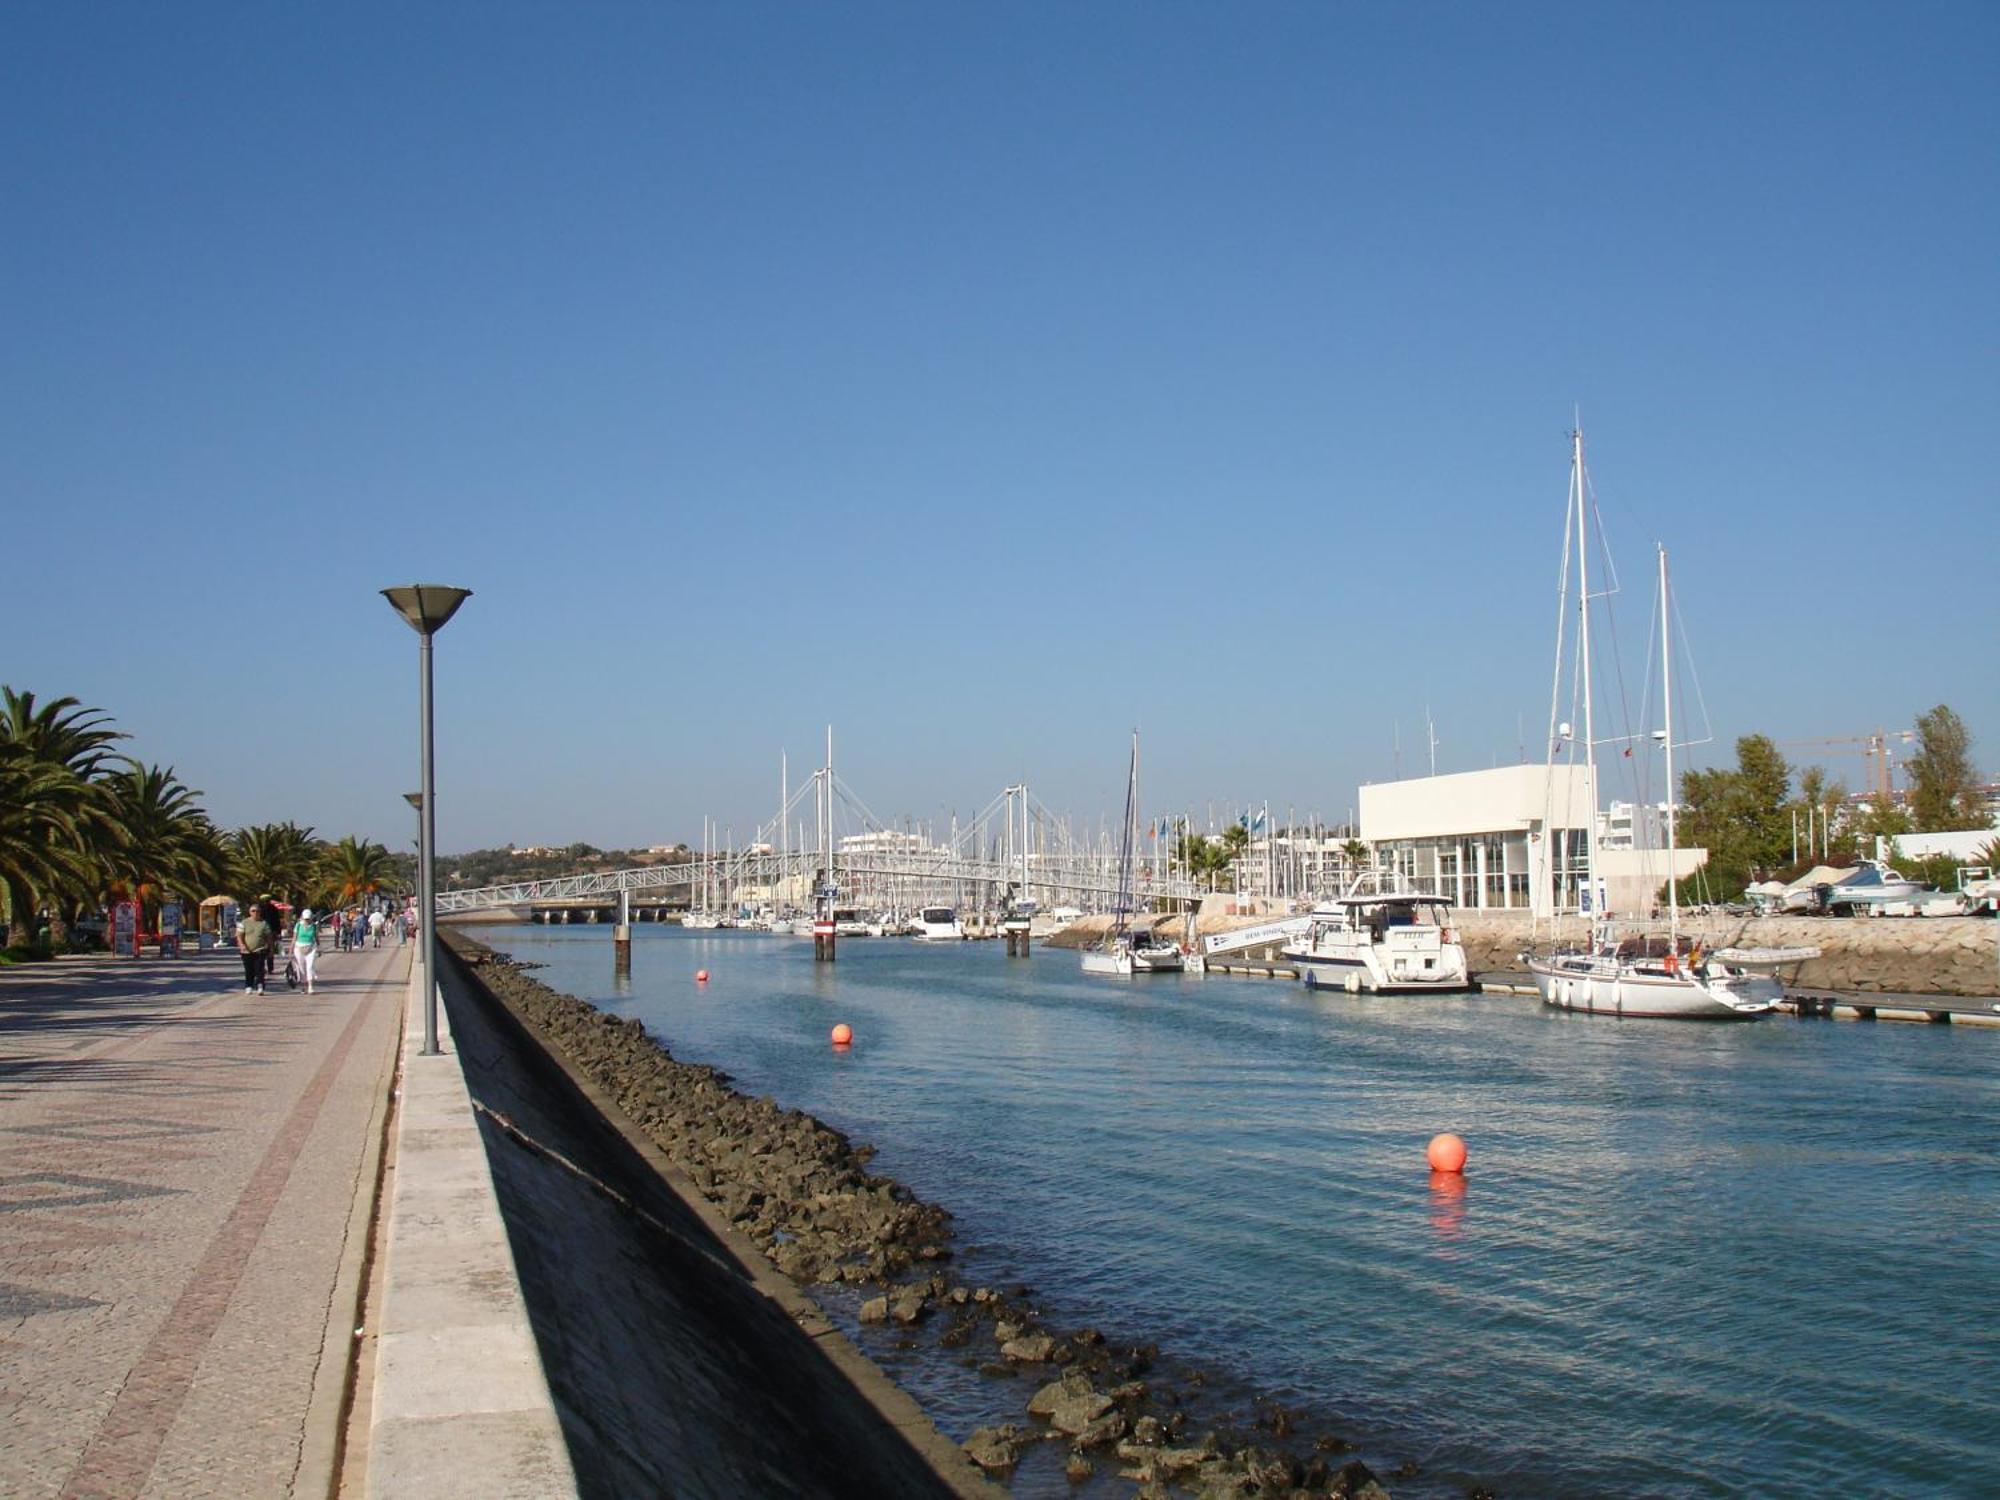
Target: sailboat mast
1583, 648
1667, 712
1122, 917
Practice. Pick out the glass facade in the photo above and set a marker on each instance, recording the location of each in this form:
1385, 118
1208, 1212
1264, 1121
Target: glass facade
1488, 870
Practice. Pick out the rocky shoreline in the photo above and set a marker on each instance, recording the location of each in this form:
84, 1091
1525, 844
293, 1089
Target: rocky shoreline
802, 1192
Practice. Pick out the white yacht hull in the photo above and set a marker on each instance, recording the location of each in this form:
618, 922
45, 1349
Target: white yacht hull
1598, 987
1132, 961
1365, 967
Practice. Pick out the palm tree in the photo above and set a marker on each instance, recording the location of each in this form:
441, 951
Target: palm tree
44, 818
75, 742
354, 868
169, 845
274, 859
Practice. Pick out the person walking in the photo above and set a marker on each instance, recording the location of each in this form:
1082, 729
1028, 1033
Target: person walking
253, 941
305, 947
376, 922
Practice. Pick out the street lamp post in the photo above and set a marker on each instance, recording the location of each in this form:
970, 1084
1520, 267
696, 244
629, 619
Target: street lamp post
427, 608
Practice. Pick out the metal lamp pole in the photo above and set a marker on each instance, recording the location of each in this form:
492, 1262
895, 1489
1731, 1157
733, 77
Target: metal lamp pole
427, 608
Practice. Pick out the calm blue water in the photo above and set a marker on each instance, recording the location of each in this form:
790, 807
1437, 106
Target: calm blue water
1685, 1260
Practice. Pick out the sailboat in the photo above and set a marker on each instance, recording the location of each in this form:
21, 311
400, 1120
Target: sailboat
1125, 950
1626, 969
703, 917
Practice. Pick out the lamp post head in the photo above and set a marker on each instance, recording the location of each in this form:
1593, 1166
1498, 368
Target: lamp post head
427, 607
415, 799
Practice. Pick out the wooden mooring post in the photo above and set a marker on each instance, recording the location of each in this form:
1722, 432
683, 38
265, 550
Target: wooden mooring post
823, 933
621, 936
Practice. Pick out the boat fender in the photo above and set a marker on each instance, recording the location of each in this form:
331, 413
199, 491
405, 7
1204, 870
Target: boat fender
1450, 935
1673, 963
1353, 984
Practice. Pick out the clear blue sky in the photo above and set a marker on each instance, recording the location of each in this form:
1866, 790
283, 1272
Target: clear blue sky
981, 379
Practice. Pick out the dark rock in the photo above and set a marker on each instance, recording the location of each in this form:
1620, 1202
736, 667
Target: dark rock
995, 1449
1032, 1349
1078, 1469
875, 1310
1108, 1428
1356, 1481
1070, 1404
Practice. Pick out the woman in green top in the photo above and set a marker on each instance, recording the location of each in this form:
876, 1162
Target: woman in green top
305, 947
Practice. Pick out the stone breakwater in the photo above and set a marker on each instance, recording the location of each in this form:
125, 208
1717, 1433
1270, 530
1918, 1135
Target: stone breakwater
801, 1191
1891, 955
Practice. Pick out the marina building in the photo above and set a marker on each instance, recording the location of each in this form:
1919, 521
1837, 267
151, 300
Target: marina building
884, 841
1514, 837
1291, 866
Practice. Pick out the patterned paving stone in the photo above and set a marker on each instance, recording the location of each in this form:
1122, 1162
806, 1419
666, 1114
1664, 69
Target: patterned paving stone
178, 1166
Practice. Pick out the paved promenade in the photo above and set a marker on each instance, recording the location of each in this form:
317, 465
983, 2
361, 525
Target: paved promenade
185, 1178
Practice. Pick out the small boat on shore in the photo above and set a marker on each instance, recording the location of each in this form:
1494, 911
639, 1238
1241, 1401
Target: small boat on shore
1385, 941
1869, 887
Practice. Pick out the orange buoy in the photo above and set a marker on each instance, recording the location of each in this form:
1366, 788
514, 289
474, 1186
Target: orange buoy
842, 1034
1446, 1153
701, 976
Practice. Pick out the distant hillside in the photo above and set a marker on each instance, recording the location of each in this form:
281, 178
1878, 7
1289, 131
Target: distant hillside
498, 866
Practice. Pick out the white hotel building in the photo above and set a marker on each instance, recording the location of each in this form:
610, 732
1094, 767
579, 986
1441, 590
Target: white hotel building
1514, 837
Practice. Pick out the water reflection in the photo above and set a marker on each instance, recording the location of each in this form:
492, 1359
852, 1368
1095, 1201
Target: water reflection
1447, 1204
1156, 1157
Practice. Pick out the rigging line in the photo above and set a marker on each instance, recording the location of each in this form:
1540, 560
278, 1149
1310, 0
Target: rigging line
1694, 672
1624, 700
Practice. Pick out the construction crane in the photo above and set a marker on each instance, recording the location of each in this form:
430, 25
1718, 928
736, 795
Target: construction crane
1875, 750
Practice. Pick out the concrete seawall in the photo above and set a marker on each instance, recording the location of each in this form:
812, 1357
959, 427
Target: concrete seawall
679, 1363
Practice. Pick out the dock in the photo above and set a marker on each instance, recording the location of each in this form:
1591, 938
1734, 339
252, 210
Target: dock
1811, 1002
1806, 1002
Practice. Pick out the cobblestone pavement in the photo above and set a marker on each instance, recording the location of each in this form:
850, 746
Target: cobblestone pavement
179, 1169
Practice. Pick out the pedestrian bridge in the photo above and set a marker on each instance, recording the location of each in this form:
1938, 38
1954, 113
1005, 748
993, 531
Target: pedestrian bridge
872, 879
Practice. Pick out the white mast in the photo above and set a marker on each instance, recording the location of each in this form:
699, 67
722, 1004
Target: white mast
1583, 649
1667, 711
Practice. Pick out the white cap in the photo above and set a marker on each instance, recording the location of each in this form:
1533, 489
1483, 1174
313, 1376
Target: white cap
306, 915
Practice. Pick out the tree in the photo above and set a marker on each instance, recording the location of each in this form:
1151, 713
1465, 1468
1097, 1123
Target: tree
354, 868
1742, 817
274, 859
168, 844
1823, 810
1204, 858
43, 822
1944, 786
76, 742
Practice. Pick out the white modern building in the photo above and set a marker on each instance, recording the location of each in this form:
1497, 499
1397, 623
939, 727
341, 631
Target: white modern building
1291, 866
1515, 837
1633, 825
884, 841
